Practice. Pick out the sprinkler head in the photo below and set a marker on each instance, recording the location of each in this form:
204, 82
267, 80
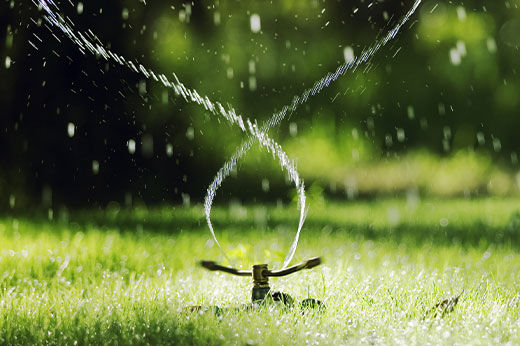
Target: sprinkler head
260, 274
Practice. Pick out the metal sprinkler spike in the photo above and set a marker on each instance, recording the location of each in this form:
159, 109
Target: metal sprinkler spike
260, 274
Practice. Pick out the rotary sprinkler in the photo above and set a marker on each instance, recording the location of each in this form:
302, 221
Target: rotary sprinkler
261, 291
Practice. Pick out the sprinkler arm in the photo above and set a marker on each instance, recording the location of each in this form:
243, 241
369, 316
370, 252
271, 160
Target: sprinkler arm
310, 263
210, 265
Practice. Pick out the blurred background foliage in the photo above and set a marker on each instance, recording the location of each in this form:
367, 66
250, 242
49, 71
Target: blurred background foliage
434, 113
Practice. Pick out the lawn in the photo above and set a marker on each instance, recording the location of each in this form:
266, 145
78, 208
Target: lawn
127, 276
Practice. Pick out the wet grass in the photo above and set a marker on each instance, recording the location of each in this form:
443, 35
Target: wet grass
127, 276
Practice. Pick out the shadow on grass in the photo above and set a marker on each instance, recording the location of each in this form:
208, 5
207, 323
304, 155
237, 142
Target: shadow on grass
474, 232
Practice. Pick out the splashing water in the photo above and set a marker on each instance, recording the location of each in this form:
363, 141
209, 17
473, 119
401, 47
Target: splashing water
88, 42
350, 65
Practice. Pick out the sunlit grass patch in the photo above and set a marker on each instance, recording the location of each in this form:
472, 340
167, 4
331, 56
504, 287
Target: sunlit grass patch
127, 277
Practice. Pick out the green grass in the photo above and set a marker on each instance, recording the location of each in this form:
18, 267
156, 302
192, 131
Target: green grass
127, 276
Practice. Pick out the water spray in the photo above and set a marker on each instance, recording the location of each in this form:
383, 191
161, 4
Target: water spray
88, 42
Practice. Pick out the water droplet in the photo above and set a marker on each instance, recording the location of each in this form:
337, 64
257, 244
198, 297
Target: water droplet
355, 134
455, 57
131, 146
95, 167
12, 201
481, 139
125, 13
255, 23
446, 132
265, 185
461, 13
293, 129
185, 199
190, 133
441, 108
351, 188
411, 112
394, 216
461, 48
497, 145
388, 140
7, 62
446, 144
348, 53
216, 18
9, 38
169, 149
210, 243
401, 135
80, 8
182, 16
370, 123
142, 87
444, 222
491, 45
229, 72
252, 67
412, 198
71, 129
252, 83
